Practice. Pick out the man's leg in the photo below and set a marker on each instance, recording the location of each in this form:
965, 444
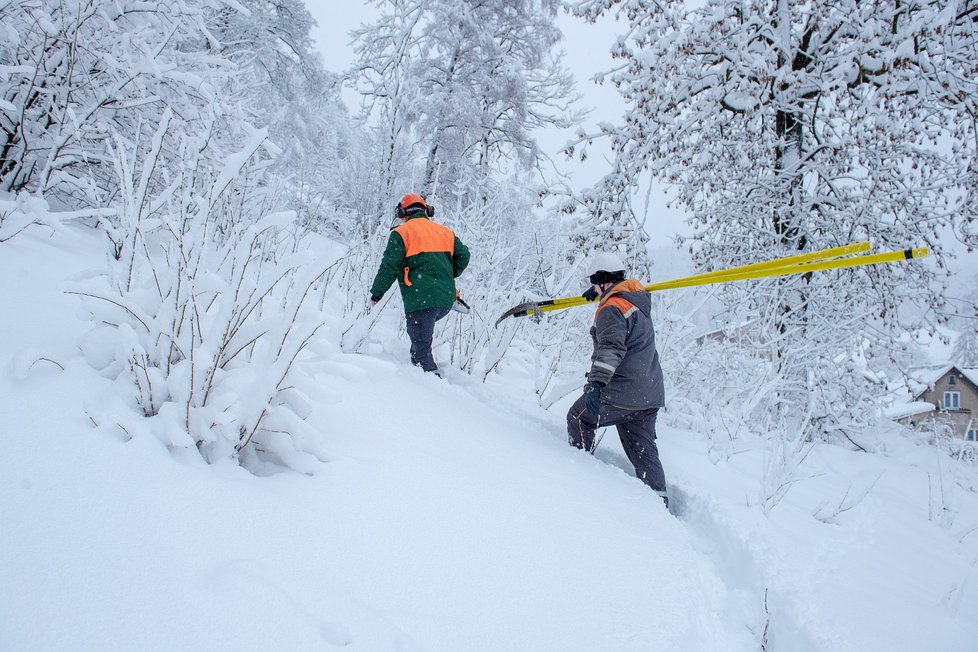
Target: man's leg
580, 426
421, 328
638, 439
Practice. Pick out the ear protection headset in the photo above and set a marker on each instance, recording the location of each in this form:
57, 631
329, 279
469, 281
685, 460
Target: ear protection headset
401, 213
408, 201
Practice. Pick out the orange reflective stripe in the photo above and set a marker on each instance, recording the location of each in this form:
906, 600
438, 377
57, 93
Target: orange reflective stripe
615, 302
422, 236
628, 285
611, 299
407, 281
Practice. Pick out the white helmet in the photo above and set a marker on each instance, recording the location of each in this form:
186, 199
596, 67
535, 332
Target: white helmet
604, 261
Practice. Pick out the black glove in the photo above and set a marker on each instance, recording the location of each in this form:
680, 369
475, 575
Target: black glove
590, 294
592, 398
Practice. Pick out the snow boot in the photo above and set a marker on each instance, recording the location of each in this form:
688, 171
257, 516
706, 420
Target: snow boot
664, 496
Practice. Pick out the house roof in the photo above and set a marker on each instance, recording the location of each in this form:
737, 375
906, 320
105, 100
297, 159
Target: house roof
901, 410
970, 374
904, 401
922, 379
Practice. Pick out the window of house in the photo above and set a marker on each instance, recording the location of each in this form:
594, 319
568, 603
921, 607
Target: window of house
972, 435
952, 380
952, 400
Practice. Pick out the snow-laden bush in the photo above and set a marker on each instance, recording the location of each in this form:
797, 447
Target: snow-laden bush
20, 211
206, 308
512, 259
731, 387
718, 389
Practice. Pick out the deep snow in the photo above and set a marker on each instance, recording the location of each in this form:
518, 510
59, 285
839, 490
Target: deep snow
450, 515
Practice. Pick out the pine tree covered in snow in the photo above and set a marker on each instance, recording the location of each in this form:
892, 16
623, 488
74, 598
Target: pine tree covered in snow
964, 319
966, 349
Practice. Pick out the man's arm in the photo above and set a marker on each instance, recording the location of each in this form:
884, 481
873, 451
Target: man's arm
390, 266
460, 259
611, 330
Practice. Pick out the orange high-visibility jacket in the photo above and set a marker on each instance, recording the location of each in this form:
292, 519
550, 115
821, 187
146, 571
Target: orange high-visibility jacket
425, 258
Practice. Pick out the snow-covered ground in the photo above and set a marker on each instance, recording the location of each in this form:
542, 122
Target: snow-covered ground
451, 515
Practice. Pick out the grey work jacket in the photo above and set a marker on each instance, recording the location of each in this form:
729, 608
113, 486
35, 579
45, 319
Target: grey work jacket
625, 360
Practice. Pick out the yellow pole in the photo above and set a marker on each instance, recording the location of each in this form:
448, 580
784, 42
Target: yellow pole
757, 268
704, 278
799, 264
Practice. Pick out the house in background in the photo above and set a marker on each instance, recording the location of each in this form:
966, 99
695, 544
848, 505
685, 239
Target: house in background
947, 394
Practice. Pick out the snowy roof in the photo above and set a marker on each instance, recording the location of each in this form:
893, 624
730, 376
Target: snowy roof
928, 375
921, 379
970, 374
900, 410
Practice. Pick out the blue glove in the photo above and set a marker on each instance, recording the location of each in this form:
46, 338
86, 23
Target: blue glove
592, 398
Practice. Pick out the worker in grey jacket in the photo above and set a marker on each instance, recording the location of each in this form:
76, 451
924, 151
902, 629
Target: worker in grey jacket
625, 387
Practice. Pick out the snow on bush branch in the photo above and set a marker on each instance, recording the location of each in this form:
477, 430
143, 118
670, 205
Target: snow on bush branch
72, 72
140, 114
206, 310
77, 74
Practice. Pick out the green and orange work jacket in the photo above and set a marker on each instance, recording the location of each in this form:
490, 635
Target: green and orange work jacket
424, 258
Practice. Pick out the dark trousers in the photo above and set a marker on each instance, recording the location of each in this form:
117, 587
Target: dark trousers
420, 328
636, 429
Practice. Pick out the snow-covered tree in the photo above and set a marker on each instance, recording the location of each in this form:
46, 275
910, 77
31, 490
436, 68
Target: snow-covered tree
289, 92
966, 349
796, 126
463, 84
75, 73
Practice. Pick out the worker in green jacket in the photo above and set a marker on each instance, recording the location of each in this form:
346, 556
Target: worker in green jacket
424, 258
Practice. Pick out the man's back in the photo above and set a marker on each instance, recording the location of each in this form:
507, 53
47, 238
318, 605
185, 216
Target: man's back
424, 258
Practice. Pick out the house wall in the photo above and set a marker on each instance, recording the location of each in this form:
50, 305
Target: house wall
959, 418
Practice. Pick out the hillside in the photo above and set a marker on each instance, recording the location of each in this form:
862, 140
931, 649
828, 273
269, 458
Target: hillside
449, 515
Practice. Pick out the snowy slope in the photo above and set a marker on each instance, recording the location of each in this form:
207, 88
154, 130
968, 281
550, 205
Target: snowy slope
451, 515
